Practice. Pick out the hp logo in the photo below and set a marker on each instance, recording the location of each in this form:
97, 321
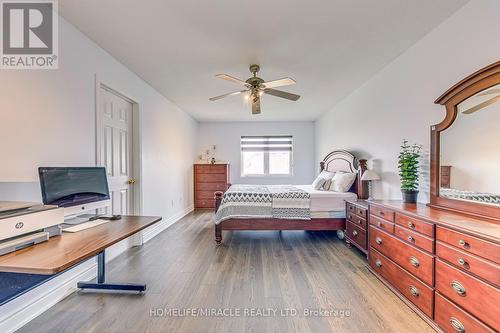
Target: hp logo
19, 225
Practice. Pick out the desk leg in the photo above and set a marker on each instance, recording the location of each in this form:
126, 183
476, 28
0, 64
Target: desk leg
101, 278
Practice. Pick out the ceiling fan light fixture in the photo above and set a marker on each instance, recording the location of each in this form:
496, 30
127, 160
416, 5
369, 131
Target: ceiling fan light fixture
256, 87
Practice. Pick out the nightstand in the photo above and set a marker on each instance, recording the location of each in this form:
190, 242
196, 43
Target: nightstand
357, 224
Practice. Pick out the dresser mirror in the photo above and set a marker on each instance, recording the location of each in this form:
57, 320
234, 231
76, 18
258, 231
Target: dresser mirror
465, 147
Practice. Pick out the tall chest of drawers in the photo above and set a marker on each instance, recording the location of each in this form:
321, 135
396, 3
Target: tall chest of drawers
444, 265
208, 179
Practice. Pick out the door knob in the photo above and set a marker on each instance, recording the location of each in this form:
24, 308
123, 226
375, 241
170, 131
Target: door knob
131, 181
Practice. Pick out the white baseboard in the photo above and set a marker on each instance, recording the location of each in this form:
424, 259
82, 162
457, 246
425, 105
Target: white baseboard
155, 229
21, 310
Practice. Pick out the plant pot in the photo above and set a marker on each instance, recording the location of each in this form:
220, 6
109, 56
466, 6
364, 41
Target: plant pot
409, 196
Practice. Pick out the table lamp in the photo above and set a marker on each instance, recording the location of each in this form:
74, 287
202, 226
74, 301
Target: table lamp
369, 176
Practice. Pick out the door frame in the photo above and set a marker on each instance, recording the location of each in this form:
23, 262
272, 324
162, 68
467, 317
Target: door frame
136, 171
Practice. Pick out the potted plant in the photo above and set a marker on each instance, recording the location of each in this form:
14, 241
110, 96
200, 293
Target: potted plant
408, 164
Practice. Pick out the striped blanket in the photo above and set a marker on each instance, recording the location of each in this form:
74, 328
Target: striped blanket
264, 201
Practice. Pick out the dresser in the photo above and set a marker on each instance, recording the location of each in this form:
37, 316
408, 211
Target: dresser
208, 179
357, 224
444, 265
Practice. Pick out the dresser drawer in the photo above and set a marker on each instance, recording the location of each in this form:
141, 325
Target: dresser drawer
205, 195
467, 262
452, 319
356, 234
469, 244
476, 297
384, 213
415, 291
415, 224
414, 238
204, 203
355, 219
361, 212
350, 208
413, 260
216, 168
382, 224
221, 186
211, 177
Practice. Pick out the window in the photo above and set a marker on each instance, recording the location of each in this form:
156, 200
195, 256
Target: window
266, 155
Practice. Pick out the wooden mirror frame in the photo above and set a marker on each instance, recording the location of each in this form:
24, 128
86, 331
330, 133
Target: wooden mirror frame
471, 85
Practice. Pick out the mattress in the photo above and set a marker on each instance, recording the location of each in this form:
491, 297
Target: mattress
327, 201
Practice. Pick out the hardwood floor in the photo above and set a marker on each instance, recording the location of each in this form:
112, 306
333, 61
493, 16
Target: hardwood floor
184, 269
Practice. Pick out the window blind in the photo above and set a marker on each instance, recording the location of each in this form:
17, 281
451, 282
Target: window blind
266, 143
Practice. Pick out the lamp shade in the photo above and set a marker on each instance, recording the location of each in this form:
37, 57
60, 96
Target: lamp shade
370, 175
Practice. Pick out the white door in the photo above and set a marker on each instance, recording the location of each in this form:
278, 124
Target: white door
115, 129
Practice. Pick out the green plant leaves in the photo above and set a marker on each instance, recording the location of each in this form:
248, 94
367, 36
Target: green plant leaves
408, 164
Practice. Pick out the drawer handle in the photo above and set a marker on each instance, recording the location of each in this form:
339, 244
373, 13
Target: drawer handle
354, 233
414, 291
381, 213
458, 288
411, 225
461, 261
463, 243
378, 240
410, 238
414, 261
378, 263
457, 325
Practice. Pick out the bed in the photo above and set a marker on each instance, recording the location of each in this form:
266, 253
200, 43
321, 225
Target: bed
325, 209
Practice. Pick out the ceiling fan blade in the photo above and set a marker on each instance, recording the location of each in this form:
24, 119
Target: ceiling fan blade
231, 78
282, 94
482, 105
256, 105
228, 94
279, 83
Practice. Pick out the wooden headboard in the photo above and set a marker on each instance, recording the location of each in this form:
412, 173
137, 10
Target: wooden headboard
342, 160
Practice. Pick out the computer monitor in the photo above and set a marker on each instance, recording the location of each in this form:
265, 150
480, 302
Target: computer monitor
77, 189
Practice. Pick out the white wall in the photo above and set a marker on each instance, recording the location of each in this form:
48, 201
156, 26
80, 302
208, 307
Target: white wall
48, 118
226, 136
398, 102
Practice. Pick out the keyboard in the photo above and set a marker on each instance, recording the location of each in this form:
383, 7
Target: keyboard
85, 225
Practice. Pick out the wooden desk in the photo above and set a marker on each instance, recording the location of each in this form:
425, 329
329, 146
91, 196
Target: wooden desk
62, 252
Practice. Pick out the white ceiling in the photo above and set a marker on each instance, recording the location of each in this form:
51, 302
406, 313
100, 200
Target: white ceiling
330, 47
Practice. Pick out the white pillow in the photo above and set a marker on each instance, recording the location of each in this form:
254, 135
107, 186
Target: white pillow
318, 183
342, 182
327, 176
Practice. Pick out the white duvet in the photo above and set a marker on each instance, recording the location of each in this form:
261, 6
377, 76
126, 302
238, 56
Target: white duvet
326, 201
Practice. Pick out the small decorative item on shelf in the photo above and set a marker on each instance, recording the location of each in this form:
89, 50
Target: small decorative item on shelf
369, 176
212, 161
207, 156
408, 164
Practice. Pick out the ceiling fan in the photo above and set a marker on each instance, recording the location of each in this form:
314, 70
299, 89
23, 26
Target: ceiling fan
257, 86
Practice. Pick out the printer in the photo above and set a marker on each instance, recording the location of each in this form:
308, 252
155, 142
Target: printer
27, 223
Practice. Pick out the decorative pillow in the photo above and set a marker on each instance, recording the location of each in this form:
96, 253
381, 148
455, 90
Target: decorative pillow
318, 183
327, 176
342, 182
